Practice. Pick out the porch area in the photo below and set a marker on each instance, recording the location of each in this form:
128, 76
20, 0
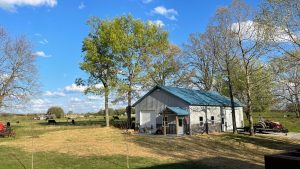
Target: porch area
175, 121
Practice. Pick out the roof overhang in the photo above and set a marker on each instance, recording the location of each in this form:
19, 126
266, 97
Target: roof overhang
175, 110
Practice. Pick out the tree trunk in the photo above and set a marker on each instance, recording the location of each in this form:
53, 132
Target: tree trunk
128, 110
249, 104
231, 101
297, 105
106, 105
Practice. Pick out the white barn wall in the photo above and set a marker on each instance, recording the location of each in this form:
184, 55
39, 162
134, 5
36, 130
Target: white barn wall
197, 111
239, 116
156, 102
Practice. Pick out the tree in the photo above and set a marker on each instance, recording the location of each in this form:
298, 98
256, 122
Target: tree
165, 68
17, 69
262, 80
287, 81
248, 45
57, 111
201, 53
134, 43
98, 61
281, 20
222, 42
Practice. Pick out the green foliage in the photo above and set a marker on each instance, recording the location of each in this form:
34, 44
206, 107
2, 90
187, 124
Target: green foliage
98, 62
57, 111
166, 68
262, 85
134, 43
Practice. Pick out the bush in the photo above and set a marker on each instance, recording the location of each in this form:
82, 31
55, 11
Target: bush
57, 111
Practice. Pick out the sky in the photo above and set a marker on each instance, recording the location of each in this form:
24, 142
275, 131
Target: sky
56, 29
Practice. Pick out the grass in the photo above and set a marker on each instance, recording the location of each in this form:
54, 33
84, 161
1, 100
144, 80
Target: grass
291, 122
14, 158
90, 145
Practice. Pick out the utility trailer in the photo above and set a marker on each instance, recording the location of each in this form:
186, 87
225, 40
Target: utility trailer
265, 126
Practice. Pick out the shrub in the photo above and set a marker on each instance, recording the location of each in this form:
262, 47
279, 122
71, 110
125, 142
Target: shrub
57, 111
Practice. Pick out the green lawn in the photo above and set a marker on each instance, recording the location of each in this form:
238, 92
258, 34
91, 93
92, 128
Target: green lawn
291, 122
90, 145
12, 158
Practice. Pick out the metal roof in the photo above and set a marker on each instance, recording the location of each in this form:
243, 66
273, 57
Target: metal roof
196, 97
178, 110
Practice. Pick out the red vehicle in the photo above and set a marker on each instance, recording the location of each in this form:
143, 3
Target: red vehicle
6, 130
2, 127
269, 126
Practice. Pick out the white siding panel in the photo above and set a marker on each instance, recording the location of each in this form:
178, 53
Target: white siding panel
157, 101
195, 113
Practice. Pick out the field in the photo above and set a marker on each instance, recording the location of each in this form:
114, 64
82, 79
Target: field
90, 145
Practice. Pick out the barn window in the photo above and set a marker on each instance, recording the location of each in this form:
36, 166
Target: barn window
212, 118
165, 120
180, 122
201, 121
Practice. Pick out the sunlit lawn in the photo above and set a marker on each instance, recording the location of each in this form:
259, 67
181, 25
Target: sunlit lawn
90, 145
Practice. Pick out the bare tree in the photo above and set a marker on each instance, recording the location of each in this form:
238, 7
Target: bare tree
287, 80
165, 68
223, 40
17, 69
281, 20
201, 52
249, 46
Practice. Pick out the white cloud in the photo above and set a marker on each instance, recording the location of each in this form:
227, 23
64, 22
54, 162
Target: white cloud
75, 88
94, 97
81, 5
39, 102
168, 13
41, 54
75, 99
43, 42
11, 5
248, 30
158, 23
54, 94
38, 34
147, 1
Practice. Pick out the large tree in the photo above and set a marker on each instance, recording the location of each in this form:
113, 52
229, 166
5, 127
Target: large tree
166, 68
220, 29
98, 61
287, 80
249, 46
201, 51
281, 20
17, 69
134, 43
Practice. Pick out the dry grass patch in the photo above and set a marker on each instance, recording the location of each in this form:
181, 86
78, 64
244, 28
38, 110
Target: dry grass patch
218, 146
83, 142
216, 150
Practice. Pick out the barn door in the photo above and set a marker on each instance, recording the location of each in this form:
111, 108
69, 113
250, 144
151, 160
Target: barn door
148, 119
228, 120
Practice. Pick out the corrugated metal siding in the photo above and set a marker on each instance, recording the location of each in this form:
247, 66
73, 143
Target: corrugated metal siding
157, 101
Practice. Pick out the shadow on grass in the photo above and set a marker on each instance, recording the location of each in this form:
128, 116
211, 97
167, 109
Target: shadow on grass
263, 141
237, 147
214, 163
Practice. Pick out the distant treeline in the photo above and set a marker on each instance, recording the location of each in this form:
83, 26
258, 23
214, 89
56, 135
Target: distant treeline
112, 112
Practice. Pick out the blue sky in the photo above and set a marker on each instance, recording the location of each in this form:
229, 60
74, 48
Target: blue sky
57, 28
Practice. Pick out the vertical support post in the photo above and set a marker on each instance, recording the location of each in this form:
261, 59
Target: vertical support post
206, 123
177, 122
164, 123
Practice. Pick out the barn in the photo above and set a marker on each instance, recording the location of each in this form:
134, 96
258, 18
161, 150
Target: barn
180, 111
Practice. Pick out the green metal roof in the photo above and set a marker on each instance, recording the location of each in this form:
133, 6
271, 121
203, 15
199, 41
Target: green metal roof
196, 97
179, 111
